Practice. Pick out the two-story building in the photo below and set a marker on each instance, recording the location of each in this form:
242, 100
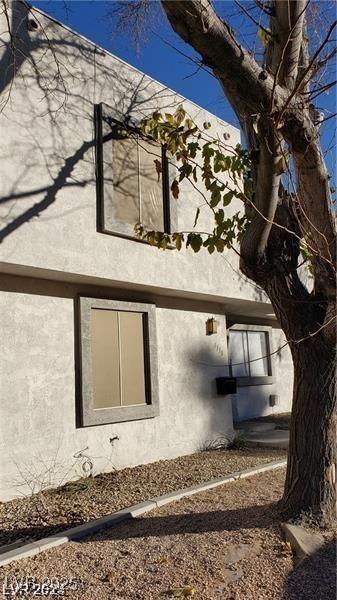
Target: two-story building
104, 338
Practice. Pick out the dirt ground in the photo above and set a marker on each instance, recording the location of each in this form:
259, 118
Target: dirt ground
46, 513
224, 543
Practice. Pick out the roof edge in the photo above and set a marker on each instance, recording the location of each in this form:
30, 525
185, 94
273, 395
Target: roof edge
122, 61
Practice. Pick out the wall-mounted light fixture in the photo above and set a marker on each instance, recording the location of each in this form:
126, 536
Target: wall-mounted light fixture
211, 326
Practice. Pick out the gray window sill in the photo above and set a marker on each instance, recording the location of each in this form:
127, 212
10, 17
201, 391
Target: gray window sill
119, 414
120, 233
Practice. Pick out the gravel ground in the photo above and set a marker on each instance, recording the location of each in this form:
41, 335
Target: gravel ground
45, 513
221, 544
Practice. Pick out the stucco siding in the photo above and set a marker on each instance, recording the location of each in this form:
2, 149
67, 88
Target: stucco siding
38, 399
49, 209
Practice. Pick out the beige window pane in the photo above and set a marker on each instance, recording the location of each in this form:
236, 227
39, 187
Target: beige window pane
151, 191
126, 181
132, 358
105, 358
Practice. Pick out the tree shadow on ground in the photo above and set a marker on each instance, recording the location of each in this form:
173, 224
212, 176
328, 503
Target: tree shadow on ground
157, 526
314, 577
196, 522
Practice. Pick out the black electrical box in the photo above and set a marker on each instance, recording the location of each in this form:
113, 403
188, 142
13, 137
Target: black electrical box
225, 385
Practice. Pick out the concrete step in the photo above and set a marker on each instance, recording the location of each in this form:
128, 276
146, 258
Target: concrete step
255, 426
277, 438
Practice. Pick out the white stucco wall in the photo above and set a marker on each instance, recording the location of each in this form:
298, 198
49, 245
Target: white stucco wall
37, 388
49, 214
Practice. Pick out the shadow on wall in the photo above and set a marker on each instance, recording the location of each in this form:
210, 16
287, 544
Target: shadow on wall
251, 401
211, 364
49, 83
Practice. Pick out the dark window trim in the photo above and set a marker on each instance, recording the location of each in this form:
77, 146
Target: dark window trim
147, 358
246, 381
166, 190
88, 415
105, 221
99, 166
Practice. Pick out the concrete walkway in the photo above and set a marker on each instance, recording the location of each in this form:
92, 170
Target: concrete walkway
269, 432
277, 438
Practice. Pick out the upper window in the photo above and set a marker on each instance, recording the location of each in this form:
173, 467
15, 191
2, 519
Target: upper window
132, 178
138, 190
250, 356
118, 372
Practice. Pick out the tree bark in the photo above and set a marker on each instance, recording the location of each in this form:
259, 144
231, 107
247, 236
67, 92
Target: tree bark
310, 481
310, 485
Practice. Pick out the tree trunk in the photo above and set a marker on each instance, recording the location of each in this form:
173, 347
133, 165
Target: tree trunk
310, 480
269, 254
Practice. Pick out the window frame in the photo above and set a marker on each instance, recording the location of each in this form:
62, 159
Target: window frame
245, 381
106, 220
90, 416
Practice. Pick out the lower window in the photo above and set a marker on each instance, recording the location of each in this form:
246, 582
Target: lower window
250, 356
119, 379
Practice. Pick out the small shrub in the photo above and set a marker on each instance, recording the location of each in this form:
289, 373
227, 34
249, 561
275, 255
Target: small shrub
225, 442
238, 442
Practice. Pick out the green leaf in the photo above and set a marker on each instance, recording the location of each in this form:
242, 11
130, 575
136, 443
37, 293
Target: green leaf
215, 197
280, 166
195, 241
185, 171
219, 162
169, 118
139, 230
192, 148
188, 132
206, 176
219, 217
175, 189
172, 146
265, 36
220, 245
162, 240
248, 187
177, 239
207, 153
180, 114
190, 124
151, 238
227, 198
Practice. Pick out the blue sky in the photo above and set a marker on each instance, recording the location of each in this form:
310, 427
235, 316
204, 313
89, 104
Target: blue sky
154, 57
158, 54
